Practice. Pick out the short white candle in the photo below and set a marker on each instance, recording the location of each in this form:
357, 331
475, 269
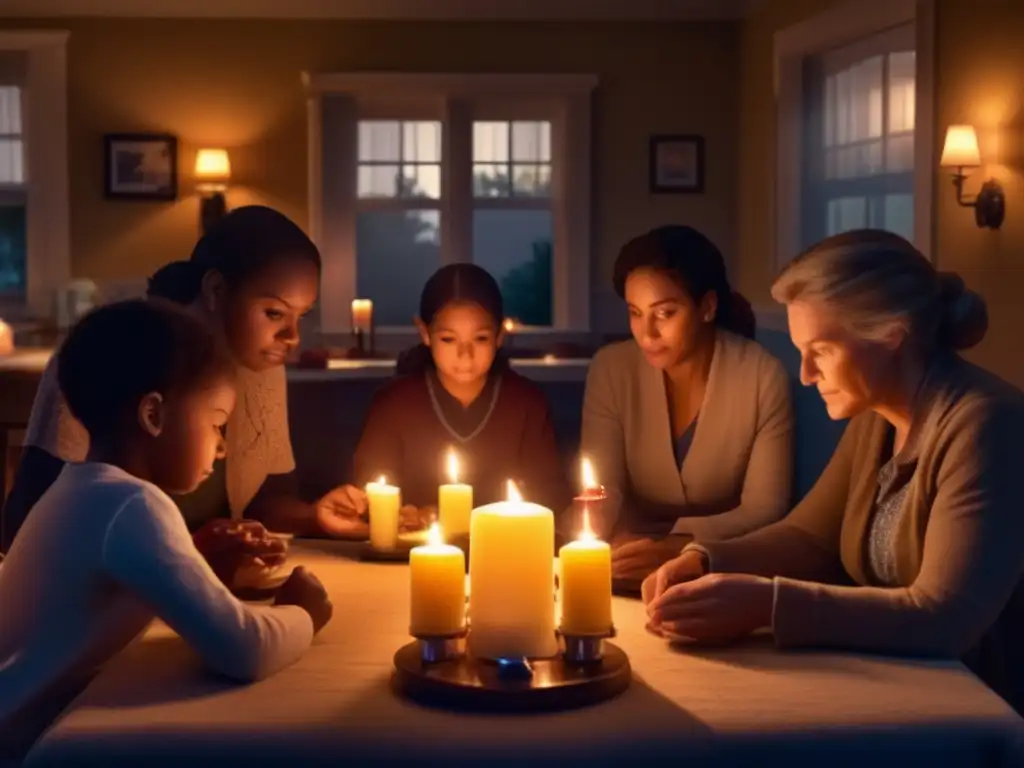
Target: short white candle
384, 502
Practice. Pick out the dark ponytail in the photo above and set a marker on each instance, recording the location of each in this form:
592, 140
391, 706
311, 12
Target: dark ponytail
178, 281
695, 264
455, 283
238, 246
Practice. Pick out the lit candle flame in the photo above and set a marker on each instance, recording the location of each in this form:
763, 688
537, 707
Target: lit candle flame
509, 325
586, 532
513, 492
434, 537
382, 480
587, 473
453, 466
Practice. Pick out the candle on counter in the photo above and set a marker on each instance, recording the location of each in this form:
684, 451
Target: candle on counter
586, 583
437, 587
511, 575
6, 339
384, 502
454, 501
362, 315
592, 497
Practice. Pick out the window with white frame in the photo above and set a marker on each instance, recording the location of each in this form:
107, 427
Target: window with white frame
408, 173
398, 225
13, 195
513, 218
859, 118
35, 253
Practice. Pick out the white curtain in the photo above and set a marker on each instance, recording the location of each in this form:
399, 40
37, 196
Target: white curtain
859, 128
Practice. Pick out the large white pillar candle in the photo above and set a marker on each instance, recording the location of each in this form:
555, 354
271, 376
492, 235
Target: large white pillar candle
512, 580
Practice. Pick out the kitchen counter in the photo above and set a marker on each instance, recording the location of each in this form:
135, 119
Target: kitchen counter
33, 361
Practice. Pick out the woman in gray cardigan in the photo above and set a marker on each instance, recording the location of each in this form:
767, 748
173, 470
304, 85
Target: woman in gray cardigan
689, 424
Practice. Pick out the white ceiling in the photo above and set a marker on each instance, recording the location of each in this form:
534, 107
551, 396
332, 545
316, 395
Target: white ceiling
386, 9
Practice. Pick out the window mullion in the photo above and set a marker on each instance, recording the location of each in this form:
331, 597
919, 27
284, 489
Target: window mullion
457, 183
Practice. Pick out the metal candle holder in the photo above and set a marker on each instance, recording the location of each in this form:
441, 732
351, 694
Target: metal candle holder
584, 648
438, 648
579, 648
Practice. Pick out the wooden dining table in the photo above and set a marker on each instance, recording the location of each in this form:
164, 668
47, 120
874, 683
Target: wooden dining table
748, 705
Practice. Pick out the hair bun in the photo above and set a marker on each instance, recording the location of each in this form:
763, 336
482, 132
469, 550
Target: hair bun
964, 313
178, 281
741, 317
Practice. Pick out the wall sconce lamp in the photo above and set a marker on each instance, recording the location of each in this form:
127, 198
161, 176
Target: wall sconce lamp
961, 151
213, 172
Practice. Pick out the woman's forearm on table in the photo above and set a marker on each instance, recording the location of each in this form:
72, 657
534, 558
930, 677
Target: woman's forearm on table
780, 549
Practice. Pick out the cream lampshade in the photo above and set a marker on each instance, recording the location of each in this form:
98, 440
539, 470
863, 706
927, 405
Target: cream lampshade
213, 169
961, 147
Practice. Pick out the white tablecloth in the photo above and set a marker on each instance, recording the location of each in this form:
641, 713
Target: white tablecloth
747, 705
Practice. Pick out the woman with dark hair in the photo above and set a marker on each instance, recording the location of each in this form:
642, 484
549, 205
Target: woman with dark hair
251, 278
689, 424
456, 390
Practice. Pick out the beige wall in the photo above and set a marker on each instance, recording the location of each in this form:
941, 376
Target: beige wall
236, 84
755, 220
979, 79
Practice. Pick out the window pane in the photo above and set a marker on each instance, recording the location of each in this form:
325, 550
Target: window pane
378, 180
421, 142
12, 168
853, 120
516, 247
899, 153
901, 91
491, 181
379, 141
396, 251
421, 181
490, 142
12, 249
899, 215
531, 180
846, 213
10, 110
531, 142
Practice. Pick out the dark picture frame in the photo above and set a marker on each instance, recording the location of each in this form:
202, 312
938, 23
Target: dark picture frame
140, 166
676, 164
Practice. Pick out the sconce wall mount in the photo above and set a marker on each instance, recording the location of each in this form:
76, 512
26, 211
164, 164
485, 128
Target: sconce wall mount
961, 152
212, 173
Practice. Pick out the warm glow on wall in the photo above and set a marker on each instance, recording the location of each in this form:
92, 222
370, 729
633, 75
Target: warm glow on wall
961, 147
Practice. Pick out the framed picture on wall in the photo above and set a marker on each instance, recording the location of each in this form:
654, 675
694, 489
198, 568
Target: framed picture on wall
677, 164
140, 166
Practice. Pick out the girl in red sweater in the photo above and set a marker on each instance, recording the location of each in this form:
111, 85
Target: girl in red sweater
456, 391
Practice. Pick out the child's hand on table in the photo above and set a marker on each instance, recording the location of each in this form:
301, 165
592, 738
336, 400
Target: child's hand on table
304, 590
230, 545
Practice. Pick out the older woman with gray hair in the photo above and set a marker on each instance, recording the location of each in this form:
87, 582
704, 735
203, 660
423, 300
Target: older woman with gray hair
912, 540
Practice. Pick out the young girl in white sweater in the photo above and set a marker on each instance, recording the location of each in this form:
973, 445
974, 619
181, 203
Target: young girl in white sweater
106, 550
